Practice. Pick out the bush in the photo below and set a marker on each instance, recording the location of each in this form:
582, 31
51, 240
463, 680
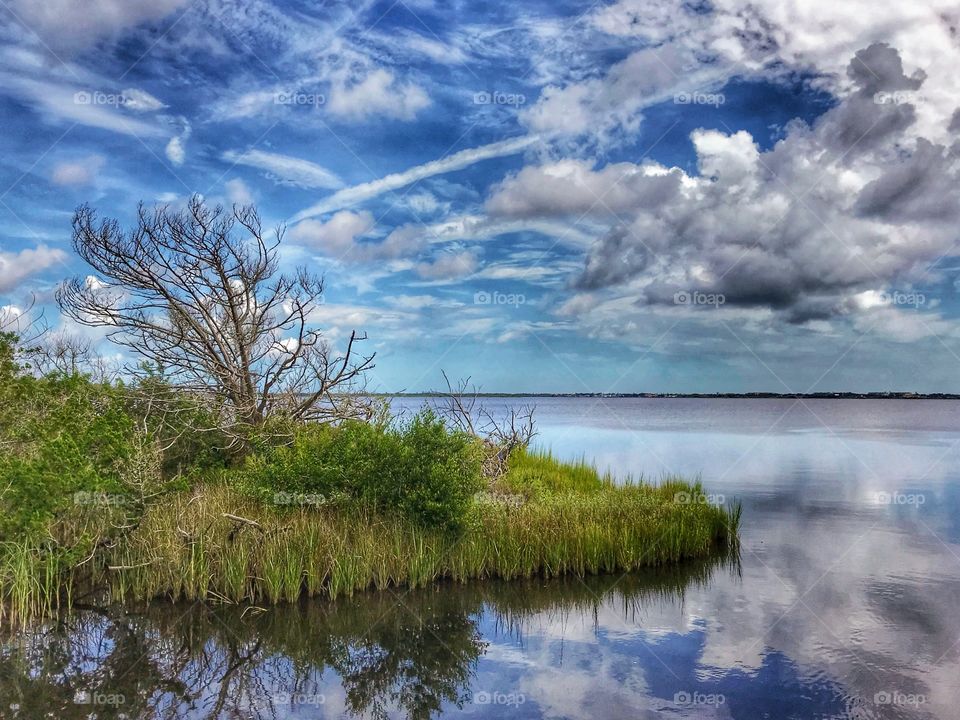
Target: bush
418, 468
60, 435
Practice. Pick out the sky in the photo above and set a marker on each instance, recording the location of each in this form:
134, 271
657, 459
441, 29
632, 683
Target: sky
630, 196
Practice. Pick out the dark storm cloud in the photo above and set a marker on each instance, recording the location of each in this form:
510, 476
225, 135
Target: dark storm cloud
854, 203
879, 109
920, 188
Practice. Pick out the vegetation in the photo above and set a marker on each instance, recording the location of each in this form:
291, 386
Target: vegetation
101, 498
232, 466
195, 548
418, 469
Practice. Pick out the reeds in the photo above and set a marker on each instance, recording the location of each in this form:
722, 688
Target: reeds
545, 519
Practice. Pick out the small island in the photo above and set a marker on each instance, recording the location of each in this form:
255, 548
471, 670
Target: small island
242, 460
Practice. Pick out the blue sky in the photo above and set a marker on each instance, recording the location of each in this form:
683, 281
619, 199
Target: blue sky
626, 196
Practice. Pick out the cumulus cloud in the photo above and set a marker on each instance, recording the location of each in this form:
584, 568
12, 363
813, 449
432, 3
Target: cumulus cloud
779, 37
339, 237
857, 201
237, 192
78, 172
376, 93
573, 187
176, 149
15, 267
285, 169
336, 235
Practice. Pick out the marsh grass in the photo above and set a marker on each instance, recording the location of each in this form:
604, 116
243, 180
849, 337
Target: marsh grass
571, 519
543, 519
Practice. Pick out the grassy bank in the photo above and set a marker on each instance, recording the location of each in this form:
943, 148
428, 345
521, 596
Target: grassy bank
104, 498
544, 517
192, 548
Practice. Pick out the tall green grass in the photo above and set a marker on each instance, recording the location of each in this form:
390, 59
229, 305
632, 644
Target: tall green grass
544, 518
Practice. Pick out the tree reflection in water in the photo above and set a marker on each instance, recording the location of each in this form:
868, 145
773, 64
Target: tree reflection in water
396, 652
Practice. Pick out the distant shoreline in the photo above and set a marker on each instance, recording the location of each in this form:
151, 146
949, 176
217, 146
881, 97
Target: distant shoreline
706, 396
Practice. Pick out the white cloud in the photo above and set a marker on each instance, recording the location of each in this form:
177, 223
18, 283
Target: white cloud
78, 172
418, 302
176, 148
237, 192
457, 161
67, 25
819, 37
856, 201
335, 236
15, 267
141, 101
377, 93
175, 151
286, 169
609, 106
448, 266
70, 102
439, 52
573, 187
339, 236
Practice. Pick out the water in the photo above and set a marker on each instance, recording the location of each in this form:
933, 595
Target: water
844, 603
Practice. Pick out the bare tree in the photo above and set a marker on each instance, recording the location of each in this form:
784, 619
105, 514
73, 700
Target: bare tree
67, 353
197, 292
460, 408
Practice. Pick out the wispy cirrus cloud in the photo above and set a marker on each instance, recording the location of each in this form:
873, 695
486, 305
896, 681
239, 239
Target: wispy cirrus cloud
457, 161
286, 169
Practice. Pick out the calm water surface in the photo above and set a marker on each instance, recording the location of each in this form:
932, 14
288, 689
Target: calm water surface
845, 602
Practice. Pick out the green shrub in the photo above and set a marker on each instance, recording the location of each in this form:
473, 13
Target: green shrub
419, 468
182, 423
60, 435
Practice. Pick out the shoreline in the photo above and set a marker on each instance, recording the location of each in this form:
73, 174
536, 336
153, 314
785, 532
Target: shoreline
703, 396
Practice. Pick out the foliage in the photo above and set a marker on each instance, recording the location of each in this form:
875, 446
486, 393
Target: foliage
193, 547
183, 425
316, 509
59, 434
417, 468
